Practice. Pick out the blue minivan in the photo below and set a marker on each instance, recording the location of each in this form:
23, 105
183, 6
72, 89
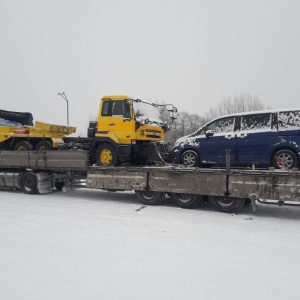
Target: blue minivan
261, 138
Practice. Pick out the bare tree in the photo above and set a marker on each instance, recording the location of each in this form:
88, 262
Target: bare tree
236, 104
185, 124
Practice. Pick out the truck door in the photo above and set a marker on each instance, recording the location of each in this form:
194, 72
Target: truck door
121, 122
115, 121
104, 116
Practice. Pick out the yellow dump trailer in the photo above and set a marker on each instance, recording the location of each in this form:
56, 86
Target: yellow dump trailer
55, 128
41, 136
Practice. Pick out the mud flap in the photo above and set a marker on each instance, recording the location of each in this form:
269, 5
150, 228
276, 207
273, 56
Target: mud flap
254, 207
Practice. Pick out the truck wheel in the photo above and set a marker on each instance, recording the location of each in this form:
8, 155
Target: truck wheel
284, 159
43, 145
28, 183
185, 200
228, 205
190, 158
150, 198
106, 155
23, 146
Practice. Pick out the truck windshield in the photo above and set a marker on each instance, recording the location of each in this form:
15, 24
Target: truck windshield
144, 111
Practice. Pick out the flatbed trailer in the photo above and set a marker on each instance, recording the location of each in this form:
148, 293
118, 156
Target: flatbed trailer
226, 189
38, 171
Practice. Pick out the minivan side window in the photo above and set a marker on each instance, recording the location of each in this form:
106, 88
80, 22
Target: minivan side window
200, 131
255, 122
222, 125
289, 120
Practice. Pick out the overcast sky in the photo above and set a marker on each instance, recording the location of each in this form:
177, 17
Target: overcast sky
191, 53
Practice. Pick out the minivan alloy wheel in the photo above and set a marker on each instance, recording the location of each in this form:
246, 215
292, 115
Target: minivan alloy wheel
285, 159
190, 158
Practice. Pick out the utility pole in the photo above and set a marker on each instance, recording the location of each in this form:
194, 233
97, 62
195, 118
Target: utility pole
65, 97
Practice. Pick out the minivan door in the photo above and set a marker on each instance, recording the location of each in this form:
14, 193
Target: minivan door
220, 136
255, 139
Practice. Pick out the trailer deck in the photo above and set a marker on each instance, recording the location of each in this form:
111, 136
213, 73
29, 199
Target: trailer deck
227, 189
66, 160
244, 184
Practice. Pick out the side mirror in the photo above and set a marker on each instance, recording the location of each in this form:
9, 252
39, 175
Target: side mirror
173, 113
209, 133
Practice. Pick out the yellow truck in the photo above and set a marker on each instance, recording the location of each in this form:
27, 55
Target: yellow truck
17, 132
127, 131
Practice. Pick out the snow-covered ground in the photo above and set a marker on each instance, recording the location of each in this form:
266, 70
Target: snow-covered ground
90, 244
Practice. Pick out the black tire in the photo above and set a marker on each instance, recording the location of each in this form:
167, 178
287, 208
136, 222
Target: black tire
43, 145
284, 159
203, 198
228, 205
185, 200
23, 146
190, 158
247, 201
106, 155
28, 183
150, 198
59, 185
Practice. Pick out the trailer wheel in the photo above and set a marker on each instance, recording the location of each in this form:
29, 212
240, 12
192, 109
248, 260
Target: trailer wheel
28, 183
190, 158
59, 185
228, 205
43, 145
106, 155
23, 146
185, 200
150, 198
284, 159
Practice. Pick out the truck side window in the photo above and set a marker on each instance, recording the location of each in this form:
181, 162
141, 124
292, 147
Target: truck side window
255, 122
117, 108
127, 110
106, 108
221, 125
289, 120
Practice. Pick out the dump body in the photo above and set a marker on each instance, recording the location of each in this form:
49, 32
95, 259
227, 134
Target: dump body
16, 136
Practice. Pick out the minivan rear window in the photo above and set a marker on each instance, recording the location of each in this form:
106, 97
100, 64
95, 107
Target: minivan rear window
289, 120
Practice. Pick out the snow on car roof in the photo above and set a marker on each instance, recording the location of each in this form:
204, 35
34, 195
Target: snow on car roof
255, 112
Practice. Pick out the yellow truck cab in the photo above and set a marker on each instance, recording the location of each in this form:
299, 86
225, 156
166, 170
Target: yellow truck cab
128, 130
